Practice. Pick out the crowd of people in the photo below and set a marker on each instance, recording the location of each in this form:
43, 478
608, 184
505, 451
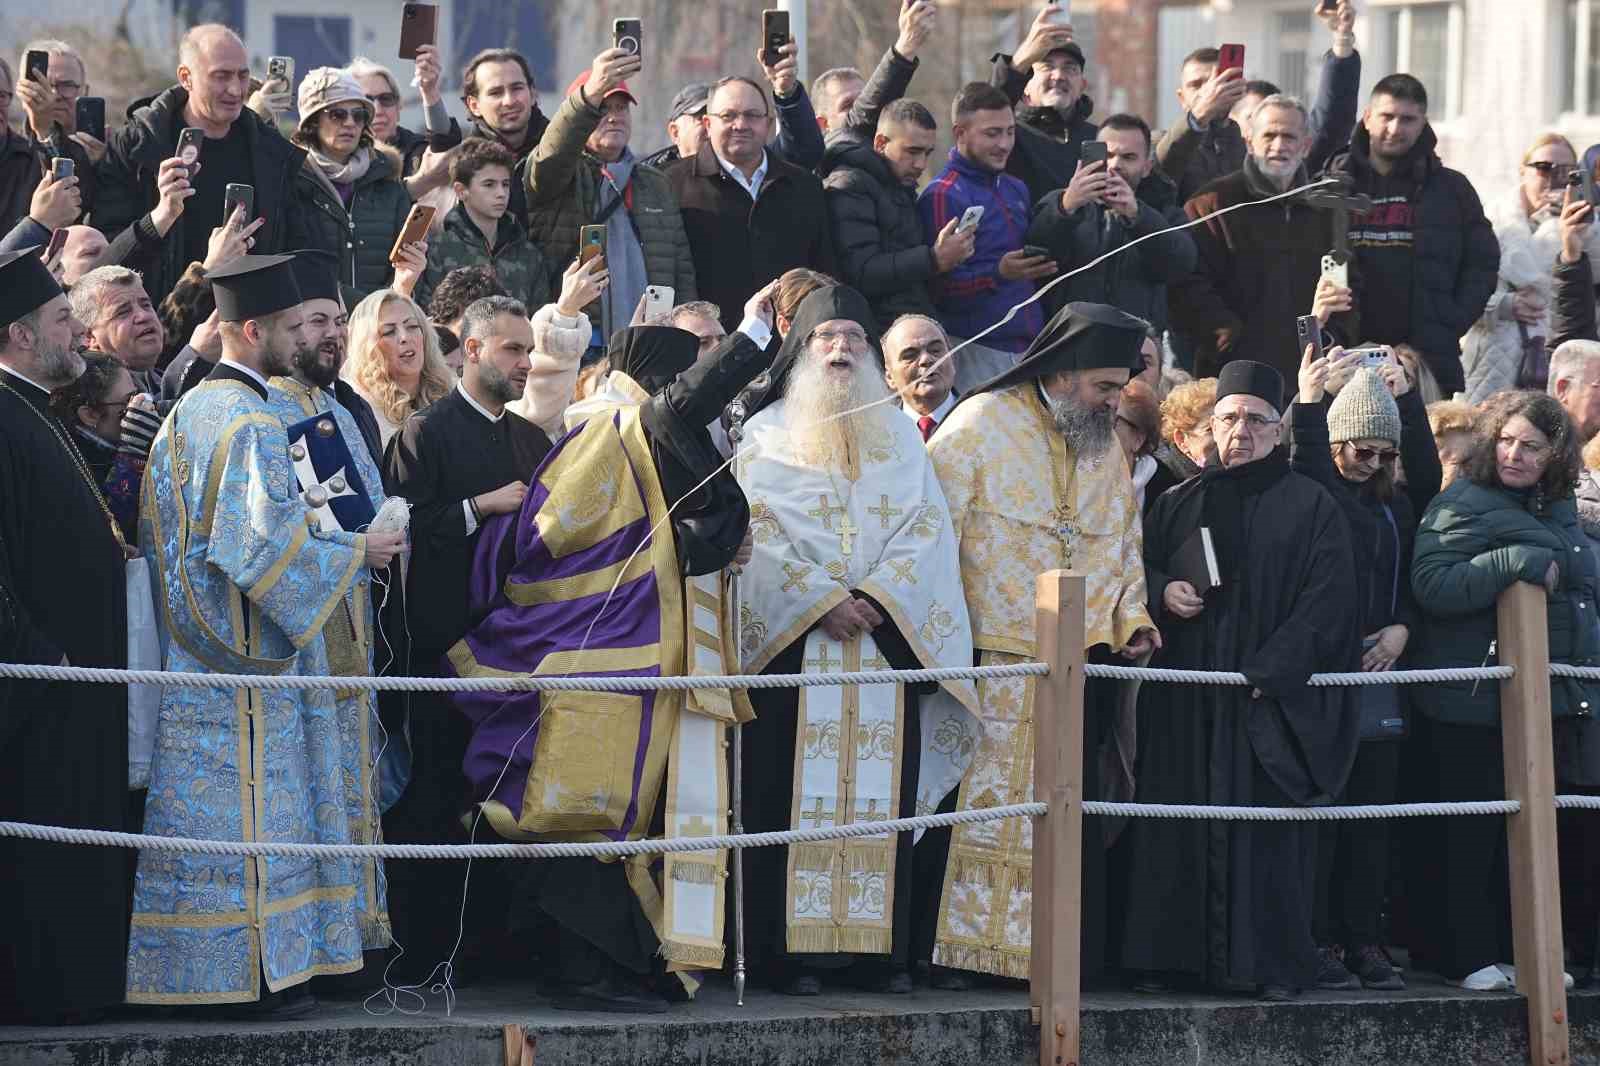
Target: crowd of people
787, 396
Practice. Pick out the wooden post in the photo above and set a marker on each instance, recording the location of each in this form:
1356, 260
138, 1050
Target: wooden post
1531, 833
1058, 837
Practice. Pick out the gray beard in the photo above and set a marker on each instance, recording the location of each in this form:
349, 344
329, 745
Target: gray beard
1088, 430
59, 367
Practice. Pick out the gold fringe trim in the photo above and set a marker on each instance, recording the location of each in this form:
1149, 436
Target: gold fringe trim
693, 956
1012, 964
872, 859
813, 939
694, 873
985, 873
813, 858
854, 940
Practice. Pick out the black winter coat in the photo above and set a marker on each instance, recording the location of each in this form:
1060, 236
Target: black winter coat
19, 177
1455, 254
1136, 281
877, 234
1572, 311
126, 190
362, 235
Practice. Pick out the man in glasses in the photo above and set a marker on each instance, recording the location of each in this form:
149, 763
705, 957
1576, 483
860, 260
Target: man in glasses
51, 110
1249, 568
1426, 258
239, 147
749, 214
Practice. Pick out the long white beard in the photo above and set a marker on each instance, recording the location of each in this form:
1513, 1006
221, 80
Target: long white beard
817, 398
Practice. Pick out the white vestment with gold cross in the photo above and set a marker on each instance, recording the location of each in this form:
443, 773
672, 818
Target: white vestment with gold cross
1022, 504
876, 525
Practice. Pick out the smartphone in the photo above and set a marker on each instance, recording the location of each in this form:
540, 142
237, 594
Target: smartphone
1327, 7
58, 241
189, 142
774, 35
1092, 152
1309, 330
415, 229
658, 300
628, 35
1336, 272
419, 25
281, 68
61, 167
91, 118
1059, 13
1373, 356
591, 243
233, 196
970, 218
1590, 192
1036, 251
1231, 57
36, 65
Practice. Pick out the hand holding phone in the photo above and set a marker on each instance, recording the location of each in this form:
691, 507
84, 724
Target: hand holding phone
419, 25
970, 218
61, 168
1230, 57
415, 229
774, 35
189, 144
1058, 13
236, 196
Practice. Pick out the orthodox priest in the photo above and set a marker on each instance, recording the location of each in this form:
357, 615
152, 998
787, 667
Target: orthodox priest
63, 747
854, 568
615, 567
335, 472
247, 578
1036, 482
1229, 903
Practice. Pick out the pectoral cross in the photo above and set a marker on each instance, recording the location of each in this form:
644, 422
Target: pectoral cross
817, 814
824, 513
847, 531
823, 662
884, 512
1066, 528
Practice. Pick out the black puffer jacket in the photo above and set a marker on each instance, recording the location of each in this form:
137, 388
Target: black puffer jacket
1572, 312
126, 190
877, 234
1046, 155
361, 235
19, 177
1455, 257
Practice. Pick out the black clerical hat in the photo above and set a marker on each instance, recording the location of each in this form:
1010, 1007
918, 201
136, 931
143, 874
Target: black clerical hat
1243, 377
25, 285
826, 304
653, 355
1081, 336
316, 272
254, 286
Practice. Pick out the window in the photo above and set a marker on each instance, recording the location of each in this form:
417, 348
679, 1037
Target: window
1580, 63
1294, 47
1424, 40
313, 41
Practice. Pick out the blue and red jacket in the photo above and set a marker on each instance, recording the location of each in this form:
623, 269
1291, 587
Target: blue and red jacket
974, 296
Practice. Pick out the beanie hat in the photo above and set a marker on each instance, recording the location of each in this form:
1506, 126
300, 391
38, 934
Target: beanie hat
1364, 410
326, 86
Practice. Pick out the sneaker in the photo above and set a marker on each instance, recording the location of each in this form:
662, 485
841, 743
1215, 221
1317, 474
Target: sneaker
1332, 975
1488, 979
1374, 969
1510, 972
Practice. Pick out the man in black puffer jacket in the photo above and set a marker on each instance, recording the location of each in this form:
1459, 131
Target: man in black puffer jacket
872, 203
1427, 257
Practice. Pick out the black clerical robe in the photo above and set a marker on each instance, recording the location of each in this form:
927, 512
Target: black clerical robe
439, 459
63, 747
1230, 902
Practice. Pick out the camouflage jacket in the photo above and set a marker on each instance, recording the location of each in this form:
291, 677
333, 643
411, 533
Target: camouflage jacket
516, 261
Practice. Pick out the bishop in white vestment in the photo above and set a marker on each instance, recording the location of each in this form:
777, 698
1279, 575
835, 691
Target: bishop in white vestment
854, 568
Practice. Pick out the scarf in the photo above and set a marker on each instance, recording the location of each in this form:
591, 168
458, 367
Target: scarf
347, 173
1263, 187
624, 255
1224, 491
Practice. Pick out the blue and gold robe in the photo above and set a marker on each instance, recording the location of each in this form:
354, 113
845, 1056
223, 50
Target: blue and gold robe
245, 586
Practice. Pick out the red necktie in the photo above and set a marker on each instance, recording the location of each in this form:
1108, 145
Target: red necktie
926, 424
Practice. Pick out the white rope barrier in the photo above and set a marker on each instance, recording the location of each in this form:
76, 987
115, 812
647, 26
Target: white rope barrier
1586, 673
600, 849
1334, 680
1578, 803
528, 683
1298, 814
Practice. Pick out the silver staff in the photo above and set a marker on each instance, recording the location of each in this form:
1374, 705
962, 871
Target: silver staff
736, 416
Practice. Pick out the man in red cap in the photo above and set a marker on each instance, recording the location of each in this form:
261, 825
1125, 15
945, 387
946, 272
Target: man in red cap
584, 173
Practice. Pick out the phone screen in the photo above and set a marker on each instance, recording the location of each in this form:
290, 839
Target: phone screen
37, 65
774, 35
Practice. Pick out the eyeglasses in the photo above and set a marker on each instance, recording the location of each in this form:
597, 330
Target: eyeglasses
120, 406
853, 338
1366, 455
66, 88
385, 99
1551, 171
1254, 423
728, 118
341, 115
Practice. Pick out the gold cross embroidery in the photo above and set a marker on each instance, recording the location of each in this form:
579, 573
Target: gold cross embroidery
905, 570
823, 662
872, 814
847, 531
877, 662
696, 827
884, 512
824, 513
817, 815
797, 578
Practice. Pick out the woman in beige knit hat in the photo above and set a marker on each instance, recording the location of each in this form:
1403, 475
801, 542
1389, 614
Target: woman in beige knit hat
1352, 446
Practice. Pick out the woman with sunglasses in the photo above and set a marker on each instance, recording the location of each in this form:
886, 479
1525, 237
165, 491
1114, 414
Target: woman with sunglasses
351, 200
1505, 349
1352, 447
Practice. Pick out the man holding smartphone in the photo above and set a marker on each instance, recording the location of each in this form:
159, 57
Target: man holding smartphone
1045, 81
50, 109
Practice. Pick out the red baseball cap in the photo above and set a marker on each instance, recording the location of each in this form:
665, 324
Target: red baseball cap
620, 90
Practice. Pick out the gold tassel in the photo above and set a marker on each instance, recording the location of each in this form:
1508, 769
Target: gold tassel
694, 873
870, 858
858, 940
692, 956
812, 939
982, 960
814, 858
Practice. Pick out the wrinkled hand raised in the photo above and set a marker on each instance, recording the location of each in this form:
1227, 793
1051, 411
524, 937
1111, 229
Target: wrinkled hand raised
784, 75
427, 68
609, 70
409, 266
173, 187
917, 20
1043, 38
231, 240
1314, 374
1088, 185
56, 203
274, 98
581, 286
1219, 95
761, 305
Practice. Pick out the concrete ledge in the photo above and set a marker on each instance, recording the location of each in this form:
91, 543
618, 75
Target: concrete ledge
1430, 1024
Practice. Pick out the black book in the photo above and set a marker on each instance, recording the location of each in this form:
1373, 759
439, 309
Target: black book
1195, 561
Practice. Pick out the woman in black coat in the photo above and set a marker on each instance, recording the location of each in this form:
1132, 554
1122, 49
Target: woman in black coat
1352, 447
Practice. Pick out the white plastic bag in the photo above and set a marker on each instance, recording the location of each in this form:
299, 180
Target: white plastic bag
144, 653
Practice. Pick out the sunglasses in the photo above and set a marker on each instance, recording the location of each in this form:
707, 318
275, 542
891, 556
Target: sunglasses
341, 115
1366, 455
385, 99
1557, 171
